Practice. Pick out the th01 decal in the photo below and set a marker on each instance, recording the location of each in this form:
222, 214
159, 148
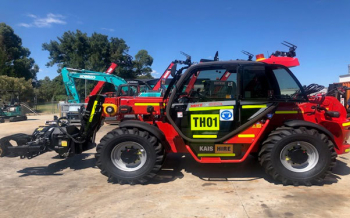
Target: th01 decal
205, 122
226, 115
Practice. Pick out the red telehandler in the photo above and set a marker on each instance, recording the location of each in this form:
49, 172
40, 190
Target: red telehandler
124, 90
260, 108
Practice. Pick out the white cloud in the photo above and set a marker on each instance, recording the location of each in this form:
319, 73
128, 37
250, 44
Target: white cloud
154, 72
47, 21
32, 15
108, 29
27, 25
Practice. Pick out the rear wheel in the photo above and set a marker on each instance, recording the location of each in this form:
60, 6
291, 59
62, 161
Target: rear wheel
297, 156
129, 156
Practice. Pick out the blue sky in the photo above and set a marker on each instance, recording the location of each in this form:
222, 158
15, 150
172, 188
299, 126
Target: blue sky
320, 29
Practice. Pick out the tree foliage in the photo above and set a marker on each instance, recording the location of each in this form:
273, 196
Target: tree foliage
24, 87
14, 58
95, 52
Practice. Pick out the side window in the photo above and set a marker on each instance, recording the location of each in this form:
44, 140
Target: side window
133, 90
255, 83
143, 88
124, 91
289, 89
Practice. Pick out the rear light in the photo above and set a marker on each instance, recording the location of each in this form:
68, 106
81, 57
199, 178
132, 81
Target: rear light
125, 109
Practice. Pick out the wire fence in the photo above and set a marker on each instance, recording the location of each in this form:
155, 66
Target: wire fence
47, 107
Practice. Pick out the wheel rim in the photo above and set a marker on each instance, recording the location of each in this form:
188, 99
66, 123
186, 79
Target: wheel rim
128, 156
299, 156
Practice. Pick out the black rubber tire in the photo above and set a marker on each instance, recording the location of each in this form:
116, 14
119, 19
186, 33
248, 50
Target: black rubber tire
154, 150
20, 139
3, 149
269, 155
2, 120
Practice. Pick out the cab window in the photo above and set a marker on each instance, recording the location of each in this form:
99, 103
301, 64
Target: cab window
124, 91
289, 88
133, 90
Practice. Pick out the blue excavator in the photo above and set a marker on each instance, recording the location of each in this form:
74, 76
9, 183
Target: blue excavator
122, 87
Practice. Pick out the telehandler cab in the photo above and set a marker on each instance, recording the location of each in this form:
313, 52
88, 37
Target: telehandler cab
261, 108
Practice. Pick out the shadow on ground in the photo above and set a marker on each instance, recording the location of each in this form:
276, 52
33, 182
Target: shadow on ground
77, 162
174, 165
249, 170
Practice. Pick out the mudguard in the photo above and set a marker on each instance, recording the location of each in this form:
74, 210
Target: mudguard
299, 123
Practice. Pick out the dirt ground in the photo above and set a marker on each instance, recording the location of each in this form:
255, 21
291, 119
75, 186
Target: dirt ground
47, 186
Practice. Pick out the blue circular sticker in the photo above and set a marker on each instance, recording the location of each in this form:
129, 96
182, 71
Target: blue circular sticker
226, 115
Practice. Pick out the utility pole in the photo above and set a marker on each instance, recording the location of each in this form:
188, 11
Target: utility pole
85, 88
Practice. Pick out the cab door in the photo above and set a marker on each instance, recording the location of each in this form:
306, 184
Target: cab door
203, 109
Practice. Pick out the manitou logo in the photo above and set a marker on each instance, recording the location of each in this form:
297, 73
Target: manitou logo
167, 74
196, 105
215, 103
109, 70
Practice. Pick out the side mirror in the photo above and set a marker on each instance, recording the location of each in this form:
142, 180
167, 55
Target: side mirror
173, 70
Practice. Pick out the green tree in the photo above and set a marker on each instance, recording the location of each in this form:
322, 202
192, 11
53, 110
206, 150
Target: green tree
78, 50
140, 67
142, 63
24, 87
96, 52
45, 90
14, 58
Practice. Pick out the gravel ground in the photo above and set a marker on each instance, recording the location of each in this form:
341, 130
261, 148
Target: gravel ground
47, 186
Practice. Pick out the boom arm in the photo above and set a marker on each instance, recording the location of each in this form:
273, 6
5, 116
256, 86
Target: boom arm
69, 74
165, 75
100, 84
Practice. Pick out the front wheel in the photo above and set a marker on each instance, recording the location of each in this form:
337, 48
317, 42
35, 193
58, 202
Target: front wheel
129, 156
297, 156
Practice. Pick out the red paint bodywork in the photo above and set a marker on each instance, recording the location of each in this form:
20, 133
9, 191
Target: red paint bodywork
111, 97
285, 61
